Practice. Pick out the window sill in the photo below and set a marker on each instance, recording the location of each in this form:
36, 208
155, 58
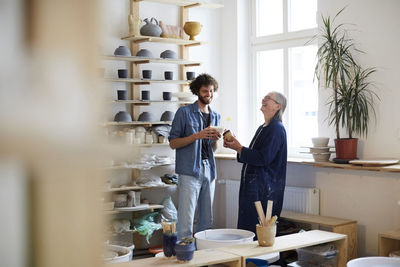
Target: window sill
310, 162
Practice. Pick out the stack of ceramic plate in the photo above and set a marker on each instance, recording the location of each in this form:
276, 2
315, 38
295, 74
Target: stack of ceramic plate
320, 150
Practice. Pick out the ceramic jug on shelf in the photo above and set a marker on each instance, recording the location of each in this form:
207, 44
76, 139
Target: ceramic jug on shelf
134, 25
150, 28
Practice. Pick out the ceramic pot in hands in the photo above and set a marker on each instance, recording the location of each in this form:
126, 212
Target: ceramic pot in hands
192, 28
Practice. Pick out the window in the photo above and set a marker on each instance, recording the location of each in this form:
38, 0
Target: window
283, 60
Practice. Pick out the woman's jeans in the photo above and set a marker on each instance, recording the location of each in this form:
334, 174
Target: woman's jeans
192, 191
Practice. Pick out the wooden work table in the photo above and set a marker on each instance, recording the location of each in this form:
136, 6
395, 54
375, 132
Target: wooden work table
236, 255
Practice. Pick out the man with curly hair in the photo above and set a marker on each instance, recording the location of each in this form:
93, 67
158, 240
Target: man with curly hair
195, 142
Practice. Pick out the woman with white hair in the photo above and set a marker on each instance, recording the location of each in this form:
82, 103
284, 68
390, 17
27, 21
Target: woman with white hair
263, 175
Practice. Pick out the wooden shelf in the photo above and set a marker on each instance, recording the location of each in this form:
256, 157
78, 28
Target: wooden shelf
147, 123
145, 60
391, 168
136, 187
188, 4
235, 256
121, 167
142, 81
131, 209
336, 225
146, 103
388, 241
149, 207
143, 39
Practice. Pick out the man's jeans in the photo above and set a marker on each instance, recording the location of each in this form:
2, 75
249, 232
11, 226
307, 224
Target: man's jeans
194, 191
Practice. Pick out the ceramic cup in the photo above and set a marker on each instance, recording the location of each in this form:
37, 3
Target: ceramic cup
122, 95
145, 95
169, 75
190, 75
167, 95
122, 73
146, 74
266, 235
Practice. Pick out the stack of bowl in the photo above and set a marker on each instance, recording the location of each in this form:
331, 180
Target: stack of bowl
320, 149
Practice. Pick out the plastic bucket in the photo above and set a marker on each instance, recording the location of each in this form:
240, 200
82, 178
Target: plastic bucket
374, 262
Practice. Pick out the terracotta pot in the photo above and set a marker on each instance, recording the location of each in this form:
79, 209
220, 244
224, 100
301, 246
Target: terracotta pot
346, 148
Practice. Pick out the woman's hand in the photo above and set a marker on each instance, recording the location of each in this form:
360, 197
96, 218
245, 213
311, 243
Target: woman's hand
209, 133
233, 144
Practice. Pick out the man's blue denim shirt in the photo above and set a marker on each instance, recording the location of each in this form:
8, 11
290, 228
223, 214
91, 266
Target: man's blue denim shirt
187, 121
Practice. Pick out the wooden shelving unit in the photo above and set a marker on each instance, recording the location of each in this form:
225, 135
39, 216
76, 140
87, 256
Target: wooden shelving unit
336, 225
130, 209
137, 187
388, 241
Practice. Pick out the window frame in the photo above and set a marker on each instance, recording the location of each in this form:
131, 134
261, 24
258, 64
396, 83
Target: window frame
284, 40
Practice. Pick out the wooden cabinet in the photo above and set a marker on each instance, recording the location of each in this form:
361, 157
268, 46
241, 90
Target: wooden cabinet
388, 241
336, 225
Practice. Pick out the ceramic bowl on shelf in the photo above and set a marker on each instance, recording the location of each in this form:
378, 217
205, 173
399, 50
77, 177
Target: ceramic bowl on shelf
167, 116
168, 54
123, 116
320, 141
319, 149
321, 157
144, 53
146, 116
122, 51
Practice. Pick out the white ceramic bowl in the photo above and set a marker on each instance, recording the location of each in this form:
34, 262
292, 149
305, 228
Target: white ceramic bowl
215, 238
119, 250
374, 262
320, 141
319, 149
321, 157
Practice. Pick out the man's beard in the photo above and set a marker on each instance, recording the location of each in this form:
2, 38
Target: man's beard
203, 101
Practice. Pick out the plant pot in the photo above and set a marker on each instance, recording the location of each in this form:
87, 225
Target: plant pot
184, 252
346, 148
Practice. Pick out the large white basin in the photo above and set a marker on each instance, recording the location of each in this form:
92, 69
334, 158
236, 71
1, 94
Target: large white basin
374, 262
215, 238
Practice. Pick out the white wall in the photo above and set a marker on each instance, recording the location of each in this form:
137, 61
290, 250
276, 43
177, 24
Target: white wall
371, 198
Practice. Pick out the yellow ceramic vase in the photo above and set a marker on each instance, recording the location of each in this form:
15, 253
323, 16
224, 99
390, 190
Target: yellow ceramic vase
192, 28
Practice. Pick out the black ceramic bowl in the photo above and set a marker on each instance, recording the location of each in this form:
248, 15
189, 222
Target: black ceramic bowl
123, 116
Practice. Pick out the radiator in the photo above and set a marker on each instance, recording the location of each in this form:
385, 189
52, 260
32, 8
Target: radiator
230, 199
301, 199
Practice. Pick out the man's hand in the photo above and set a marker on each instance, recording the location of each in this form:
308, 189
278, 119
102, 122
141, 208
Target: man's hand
209, 133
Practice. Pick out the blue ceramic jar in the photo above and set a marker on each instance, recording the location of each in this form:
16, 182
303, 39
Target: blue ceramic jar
184, 252
169, 241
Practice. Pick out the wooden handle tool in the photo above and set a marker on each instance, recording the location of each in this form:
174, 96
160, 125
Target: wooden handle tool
260, 212
272, 220
269, 210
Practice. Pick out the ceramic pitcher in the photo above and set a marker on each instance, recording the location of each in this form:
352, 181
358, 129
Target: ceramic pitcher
150, 28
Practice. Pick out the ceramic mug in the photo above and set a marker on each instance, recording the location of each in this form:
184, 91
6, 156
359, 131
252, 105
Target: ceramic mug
145, 95
167, 95
122, 95
169, 75
190, 75
146, 74
123, 73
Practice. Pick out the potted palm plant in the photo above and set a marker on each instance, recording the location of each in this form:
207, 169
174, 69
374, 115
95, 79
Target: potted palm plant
351, 103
